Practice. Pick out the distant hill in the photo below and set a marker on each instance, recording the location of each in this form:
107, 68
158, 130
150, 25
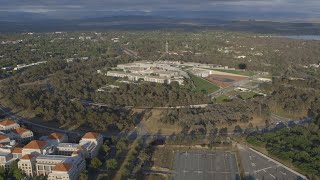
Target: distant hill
144, 22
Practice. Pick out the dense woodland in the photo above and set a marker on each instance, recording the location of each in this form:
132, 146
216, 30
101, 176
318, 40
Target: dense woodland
50, 90
225, 114
299, 145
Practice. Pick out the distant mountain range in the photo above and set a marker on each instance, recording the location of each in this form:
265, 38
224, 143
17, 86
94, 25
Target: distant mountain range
237, 21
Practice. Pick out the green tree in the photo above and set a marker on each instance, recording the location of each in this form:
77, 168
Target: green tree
112, 164
95, 163
84, 175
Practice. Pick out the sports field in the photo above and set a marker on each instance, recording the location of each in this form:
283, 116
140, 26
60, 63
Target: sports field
203, 85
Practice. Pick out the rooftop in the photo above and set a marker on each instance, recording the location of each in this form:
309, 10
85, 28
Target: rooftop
2, 137
17, 150
35, 144
91, 135
20, 130
55, 136
27, 157
64, 167
7, 123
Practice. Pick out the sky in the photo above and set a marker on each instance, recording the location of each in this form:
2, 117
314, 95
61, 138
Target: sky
309, 9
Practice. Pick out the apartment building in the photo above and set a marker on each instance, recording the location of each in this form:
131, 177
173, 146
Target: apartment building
21, 134
27, 164
8, 125
68, 149
4, 139
6, 159
91, 142
17, 152
56, 138
67, 171
47, 164
35, 147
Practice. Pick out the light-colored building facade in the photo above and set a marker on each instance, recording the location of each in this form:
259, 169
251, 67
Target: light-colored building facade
35, 147
8, 125
91, 142
21, 134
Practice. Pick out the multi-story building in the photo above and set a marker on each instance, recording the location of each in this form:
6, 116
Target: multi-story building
68, 149
91, 142
4, 139
21, 134
56, 138
17, 152
6, 159
46, 164
8, 125
35, 147
67, 170
27, 164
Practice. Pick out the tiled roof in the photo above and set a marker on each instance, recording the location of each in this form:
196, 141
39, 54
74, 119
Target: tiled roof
7, 122
91, 135
65, 167
35, 144
2, 137
17, 150
56, 136
27, 156
20, 130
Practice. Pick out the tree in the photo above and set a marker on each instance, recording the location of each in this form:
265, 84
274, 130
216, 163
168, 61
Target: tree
105, 148
242, 66
95, 163
84, 175
2, 173
14, 171
112, 164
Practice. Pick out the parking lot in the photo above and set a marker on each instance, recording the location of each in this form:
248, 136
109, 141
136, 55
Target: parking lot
213, 165
259, 167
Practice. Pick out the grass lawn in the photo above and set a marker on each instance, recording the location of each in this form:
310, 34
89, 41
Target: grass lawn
239, 72
221, 99
203, 85
244, 95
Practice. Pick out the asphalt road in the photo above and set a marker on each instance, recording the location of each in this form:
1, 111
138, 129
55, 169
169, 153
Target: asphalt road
260, 167
205, 165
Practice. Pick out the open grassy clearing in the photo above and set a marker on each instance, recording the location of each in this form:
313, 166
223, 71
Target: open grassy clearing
243, 95
153, 125
203, 85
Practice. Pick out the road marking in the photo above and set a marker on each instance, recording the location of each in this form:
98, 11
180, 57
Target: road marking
272, 176
253, 164
283, 173
264, 169
250, 158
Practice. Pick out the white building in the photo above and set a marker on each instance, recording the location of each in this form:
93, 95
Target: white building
21, 134
35, 147
92, 143
8, 125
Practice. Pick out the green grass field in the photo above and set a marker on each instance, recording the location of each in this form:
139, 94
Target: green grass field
203, 85
243, 73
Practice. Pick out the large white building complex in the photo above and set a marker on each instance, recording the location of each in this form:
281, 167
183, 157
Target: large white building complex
51, 156
160, 71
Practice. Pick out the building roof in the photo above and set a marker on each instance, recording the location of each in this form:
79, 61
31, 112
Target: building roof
17, 150
27, 157
20, 130
55, 136
35, 144
91, 135
7, 123
2, 137
64, 167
